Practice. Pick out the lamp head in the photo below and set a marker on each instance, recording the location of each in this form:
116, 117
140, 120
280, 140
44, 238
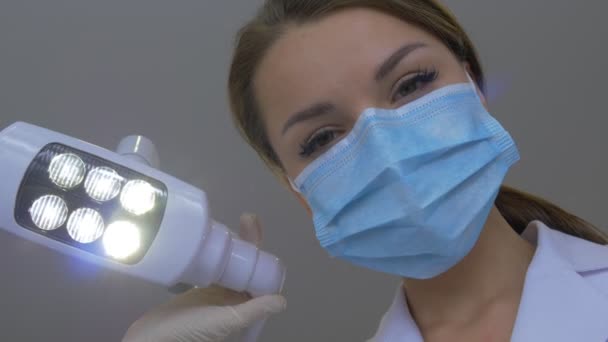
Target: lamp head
116, 212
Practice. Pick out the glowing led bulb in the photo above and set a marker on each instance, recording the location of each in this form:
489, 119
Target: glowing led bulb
85, 225
103, 184
48, 212
66, 170
138, 197
121, 239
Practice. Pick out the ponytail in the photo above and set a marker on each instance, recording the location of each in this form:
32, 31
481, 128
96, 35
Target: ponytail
520, 208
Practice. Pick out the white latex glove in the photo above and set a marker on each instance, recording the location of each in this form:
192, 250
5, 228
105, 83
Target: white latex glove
207, 314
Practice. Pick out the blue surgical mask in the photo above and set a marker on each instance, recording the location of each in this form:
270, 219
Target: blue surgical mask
408, 190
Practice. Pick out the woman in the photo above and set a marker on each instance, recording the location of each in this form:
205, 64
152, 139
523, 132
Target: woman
373, 113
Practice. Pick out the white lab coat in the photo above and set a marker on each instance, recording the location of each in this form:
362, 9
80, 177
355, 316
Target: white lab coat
565, 296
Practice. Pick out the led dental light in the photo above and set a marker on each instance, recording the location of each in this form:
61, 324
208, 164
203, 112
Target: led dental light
70, 195
103, 184
121, 239
66, 170
117, 211
48, 212
138, 197
85, 225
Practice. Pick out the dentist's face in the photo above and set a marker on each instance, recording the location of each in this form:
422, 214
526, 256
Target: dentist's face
317, 78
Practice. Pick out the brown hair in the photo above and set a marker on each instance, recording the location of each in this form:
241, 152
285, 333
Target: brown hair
256, 37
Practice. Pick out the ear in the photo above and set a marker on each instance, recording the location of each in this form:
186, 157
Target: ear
479, 92
298, 195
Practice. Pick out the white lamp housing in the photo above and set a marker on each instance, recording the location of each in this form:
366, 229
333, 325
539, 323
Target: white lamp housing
188, 248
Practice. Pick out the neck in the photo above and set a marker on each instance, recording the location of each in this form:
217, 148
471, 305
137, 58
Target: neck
494, 269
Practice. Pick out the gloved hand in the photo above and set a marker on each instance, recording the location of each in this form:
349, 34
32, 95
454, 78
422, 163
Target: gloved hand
207, 314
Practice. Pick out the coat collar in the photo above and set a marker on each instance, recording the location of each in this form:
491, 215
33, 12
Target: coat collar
557, 304
397, 324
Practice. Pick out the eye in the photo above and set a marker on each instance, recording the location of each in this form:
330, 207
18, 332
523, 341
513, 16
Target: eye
318, 140
412, 84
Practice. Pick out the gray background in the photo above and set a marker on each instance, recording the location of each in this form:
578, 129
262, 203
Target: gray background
99, 70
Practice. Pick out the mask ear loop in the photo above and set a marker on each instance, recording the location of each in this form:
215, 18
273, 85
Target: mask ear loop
293, 186
301, 197
473, 85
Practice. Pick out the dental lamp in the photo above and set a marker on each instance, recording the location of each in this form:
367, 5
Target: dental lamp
117, 211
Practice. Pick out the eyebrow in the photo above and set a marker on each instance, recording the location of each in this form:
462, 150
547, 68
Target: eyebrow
393, 60
311, 112
383, 70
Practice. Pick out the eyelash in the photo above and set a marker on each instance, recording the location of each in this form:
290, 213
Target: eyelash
316, 141
422, 78
324, 136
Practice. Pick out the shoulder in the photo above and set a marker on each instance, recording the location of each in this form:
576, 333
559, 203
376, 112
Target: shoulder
565, 296
588, 259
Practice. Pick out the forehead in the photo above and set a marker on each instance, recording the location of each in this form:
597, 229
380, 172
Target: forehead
312, 59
